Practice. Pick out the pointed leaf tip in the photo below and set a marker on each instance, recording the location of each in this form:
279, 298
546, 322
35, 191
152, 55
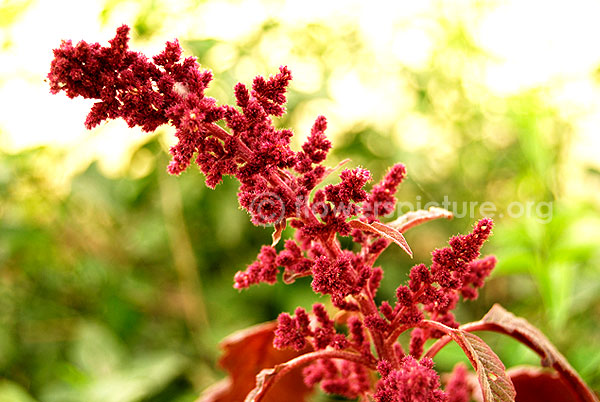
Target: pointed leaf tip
415, 218
384, 231
279, 227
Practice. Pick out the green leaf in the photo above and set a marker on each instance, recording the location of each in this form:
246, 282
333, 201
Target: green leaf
97, 350
144, 377
12, 392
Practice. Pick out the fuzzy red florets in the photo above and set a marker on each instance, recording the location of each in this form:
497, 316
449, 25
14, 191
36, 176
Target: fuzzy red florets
413, 381
381, 201
276, 188
458, 388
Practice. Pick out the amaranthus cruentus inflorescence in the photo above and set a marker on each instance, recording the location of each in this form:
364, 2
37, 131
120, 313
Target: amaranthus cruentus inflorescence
280, 186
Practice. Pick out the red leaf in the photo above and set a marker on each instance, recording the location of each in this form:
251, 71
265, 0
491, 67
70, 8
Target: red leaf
534, 384
246, 353
279, 227
330, 170
384, 231
268, 378
414, 218
493, 381
500, 320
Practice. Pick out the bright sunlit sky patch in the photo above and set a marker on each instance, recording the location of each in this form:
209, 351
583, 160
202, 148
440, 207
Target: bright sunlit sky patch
532, 43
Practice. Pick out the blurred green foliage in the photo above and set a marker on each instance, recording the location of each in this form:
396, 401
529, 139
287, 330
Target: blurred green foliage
120, 289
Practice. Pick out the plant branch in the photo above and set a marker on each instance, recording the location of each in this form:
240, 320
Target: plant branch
444, 340
269, 377
565, 371
384, 351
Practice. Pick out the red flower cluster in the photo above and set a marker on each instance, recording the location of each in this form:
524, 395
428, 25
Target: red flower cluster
335, 376
277, 186
168, 90
381, 201
349, 280
413, 381
339, 377
458, 388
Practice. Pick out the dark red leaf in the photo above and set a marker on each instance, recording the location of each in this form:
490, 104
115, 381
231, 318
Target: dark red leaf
246, 353
500, 320
534, 384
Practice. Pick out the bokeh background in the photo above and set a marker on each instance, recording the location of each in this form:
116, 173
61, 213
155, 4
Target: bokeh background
116, 279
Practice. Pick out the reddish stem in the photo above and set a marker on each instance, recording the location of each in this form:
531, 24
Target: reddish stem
283, 369
396, 321
247, 154
569, 376
396, 333
384, 351
444, 340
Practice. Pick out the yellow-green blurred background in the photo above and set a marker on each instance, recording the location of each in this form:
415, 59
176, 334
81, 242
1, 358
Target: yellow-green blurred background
115, 278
